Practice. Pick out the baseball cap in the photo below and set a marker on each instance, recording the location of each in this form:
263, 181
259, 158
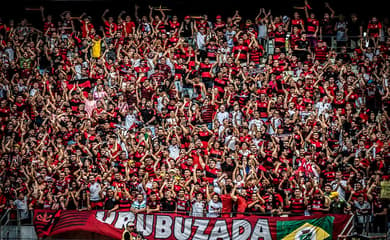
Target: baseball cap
218, 17
187, 17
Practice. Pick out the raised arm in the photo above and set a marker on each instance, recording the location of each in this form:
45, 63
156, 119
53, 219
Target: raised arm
104, 15
232, 194
150, 13
332, 12
43, 13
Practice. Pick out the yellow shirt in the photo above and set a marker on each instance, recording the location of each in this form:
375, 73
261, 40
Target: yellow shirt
96, 48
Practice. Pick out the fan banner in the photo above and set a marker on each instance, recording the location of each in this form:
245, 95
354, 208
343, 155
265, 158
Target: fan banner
174, 226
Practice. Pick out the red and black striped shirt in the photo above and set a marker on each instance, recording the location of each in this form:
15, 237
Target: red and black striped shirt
297, 206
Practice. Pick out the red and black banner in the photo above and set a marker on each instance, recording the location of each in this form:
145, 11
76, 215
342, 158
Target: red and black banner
173, 226
84, 83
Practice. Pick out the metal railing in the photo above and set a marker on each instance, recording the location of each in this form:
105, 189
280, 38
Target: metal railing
4, 220
13, 227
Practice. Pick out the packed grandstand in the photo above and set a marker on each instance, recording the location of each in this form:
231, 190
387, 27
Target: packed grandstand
204, 117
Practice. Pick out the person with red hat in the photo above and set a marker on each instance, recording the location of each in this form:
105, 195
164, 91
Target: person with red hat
186, 29
219, 25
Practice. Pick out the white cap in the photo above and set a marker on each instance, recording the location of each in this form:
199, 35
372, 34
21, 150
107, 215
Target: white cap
130, 224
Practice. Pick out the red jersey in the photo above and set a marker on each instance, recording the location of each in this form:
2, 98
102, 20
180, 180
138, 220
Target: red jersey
312, 25
110, 28
227, 204
297, 23
129, 27
86, 28
243, 54
374, 28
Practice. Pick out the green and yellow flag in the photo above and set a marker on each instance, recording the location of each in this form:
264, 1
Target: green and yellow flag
311, 229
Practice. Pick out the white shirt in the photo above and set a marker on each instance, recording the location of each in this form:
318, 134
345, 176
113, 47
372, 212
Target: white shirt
220, 130
237, 118
94, 189
200, 41
257, 142
225, 51
232, 143
217, 189
10, 52
222, 116
171, 121
240, 184
262, 29
197, 209
130, 120
291, 112
77, 69
138, 205
174, 151
22, 206
362, 207
33, 92
244, 153
214, 209
229, 37
321, 106
257, 122
276, 122
339, 189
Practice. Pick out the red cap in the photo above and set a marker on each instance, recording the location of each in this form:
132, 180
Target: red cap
219, 17
187, 17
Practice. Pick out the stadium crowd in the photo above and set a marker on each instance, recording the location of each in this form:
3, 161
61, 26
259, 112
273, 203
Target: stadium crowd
274, 115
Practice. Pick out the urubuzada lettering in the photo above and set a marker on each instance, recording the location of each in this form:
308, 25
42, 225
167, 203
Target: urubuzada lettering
163, 227
172, 226
182, 231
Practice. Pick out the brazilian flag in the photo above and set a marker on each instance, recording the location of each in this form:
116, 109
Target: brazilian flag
310, 229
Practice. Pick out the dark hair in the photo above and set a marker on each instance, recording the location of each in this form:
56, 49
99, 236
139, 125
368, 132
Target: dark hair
228, 189
126, 236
